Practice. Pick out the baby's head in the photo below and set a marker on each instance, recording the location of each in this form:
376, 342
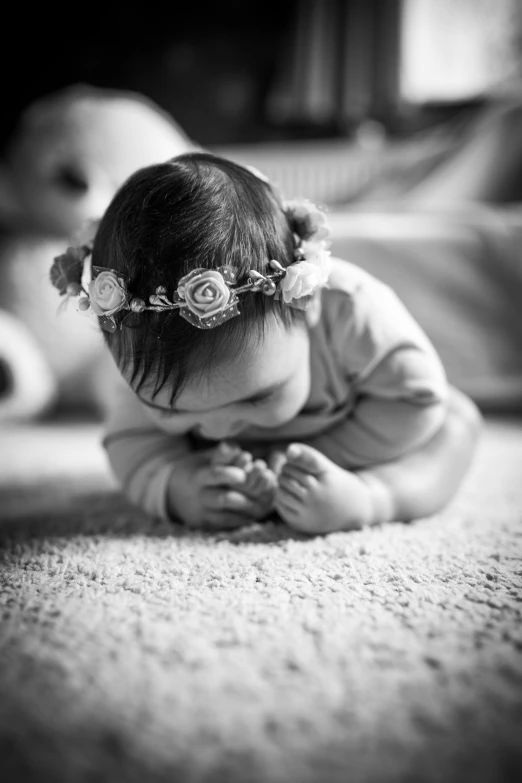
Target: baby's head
202, 212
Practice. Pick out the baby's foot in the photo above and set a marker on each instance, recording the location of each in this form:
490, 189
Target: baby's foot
315, 495
260, 482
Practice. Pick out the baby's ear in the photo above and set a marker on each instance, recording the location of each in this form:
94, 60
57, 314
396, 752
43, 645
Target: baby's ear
313, 311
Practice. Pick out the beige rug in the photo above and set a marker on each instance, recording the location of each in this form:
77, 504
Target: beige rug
132, 651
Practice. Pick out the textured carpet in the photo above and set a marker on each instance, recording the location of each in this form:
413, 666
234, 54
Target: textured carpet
132, 651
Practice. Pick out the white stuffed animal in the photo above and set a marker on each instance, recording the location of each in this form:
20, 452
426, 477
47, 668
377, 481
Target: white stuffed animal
68, 155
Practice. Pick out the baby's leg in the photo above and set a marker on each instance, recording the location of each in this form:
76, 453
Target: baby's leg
317, 496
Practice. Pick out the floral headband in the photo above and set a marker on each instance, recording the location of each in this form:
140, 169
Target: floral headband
206, 298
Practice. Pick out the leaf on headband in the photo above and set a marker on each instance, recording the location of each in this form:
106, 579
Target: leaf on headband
228, 273
107, 323
67, 268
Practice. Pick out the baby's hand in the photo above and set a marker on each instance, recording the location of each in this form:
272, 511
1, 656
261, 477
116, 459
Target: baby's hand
211, 495
260, 484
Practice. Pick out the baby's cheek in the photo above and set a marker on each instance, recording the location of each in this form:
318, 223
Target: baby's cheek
282, 413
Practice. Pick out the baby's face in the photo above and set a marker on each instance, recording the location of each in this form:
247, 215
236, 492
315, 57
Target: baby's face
266, 388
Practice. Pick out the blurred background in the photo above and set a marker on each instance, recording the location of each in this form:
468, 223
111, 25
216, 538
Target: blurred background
273, 70
402, 117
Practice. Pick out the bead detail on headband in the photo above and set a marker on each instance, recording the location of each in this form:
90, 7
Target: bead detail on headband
206, 298
137, 305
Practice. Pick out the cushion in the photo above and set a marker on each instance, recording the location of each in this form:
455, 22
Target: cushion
459, 271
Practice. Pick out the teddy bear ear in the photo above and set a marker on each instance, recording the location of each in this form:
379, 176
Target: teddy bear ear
11, 211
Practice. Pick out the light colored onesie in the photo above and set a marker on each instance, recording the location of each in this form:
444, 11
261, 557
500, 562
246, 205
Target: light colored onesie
378, 391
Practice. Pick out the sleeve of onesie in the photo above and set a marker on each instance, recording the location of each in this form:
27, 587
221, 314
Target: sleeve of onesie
397, 379
141, 456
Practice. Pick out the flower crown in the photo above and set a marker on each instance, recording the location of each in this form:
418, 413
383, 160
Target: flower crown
205, 298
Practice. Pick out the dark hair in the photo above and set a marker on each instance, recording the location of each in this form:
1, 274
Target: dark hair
195, 210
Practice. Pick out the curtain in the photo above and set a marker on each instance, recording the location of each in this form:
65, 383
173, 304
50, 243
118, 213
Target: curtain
339, 64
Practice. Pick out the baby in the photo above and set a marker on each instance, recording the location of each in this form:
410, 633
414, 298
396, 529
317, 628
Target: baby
258, 374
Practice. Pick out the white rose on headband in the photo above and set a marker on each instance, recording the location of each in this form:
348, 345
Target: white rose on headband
314, 253
206, 293
301, 279
107, 294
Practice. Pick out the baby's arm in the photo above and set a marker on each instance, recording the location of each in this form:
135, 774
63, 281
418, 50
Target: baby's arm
399, 407
403, 450
398, 382
164, 476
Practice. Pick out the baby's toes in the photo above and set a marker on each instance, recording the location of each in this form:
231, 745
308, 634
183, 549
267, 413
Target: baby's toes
293, 476
268, 480
288, 504
244, 460
260, 479
307, 459
276, 461
295, 486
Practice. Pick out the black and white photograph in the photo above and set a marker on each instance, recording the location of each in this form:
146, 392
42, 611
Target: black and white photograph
261, 392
